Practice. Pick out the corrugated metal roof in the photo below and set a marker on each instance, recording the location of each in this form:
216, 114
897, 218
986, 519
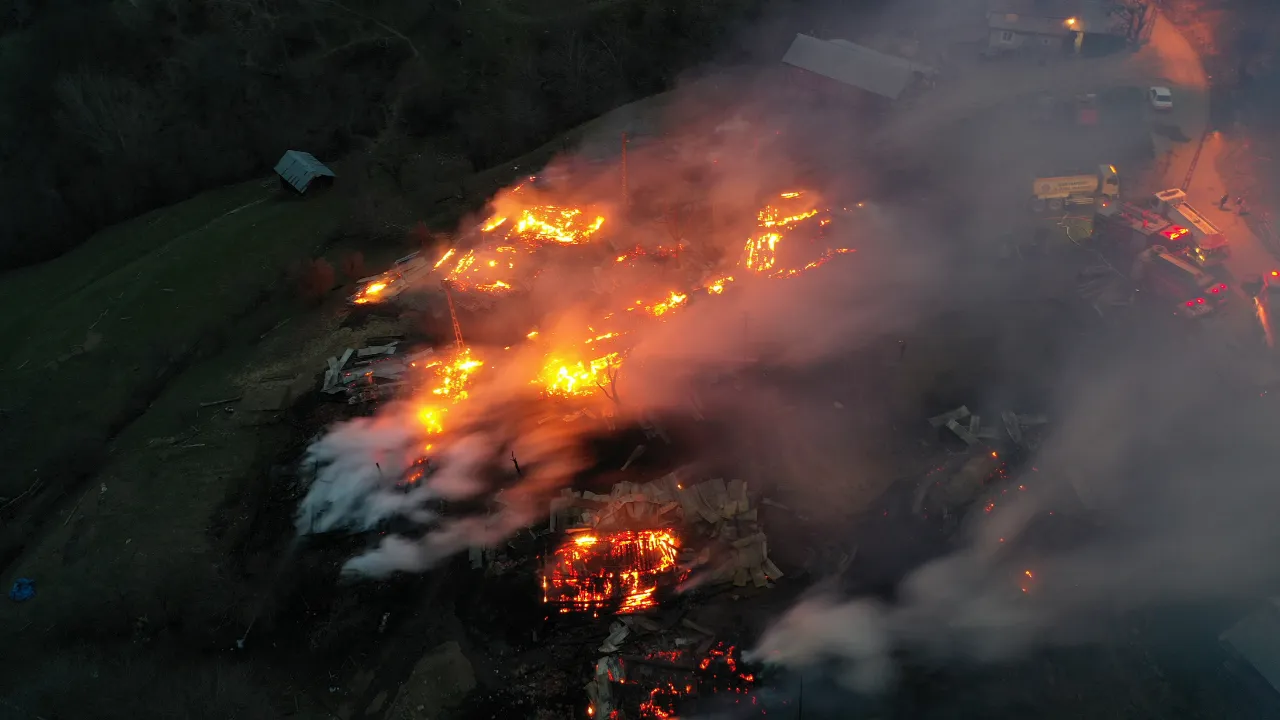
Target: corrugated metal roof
1257, 639
300, 168
912, 66
851, 64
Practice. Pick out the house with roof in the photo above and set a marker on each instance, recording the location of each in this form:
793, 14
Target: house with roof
868, 74
1045, 27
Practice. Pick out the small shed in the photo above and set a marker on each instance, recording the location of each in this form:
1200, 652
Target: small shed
301, 171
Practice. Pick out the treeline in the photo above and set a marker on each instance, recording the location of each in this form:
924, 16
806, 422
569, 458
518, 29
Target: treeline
109, 108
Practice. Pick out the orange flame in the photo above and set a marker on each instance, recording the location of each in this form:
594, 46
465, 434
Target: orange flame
373, 291
448, 385
570, 376
596, 571
716, 287
542, 224
673, 301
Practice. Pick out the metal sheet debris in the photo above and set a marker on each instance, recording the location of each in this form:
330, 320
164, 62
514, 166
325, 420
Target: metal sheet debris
372, 373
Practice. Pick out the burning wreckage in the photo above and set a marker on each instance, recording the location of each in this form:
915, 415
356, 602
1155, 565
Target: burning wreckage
619, 553
643, 550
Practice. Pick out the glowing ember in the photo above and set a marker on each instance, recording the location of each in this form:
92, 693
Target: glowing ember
822, 260
718, 672
761, 252
569, 376
619, 570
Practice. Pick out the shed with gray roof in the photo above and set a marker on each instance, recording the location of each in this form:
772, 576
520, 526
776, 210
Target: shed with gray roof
301, 171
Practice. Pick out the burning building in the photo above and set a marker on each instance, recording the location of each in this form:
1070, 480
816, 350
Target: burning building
610, 571
589, 283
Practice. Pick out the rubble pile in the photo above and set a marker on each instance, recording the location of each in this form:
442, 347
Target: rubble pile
732, 546
371, 373
649, 669
968, 427
388, 286
983, 464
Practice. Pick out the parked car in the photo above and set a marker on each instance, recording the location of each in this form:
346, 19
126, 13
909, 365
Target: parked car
1161, 98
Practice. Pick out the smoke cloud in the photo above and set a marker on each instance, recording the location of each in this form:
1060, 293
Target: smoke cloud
1161, 453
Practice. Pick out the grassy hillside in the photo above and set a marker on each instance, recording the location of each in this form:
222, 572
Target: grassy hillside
91, 338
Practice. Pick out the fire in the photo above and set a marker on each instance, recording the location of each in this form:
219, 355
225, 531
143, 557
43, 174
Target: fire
718, 672
822, 260
448, 384
504, 260
611, 570
762, 250
444, 258
673, 301
570, 376
546, 224
717, 286
372, 292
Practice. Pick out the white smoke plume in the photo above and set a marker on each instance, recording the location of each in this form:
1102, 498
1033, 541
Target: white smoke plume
1167, 444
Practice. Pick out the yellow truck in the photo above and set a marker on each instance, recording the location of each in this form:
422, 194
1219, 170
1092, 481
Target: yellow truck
1055, 193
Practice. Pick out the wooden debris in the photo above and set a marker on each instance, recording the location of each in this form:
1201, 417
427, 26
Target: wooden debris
635, 455
1013, 427
224, 401
959, 413
962, 433
696, 627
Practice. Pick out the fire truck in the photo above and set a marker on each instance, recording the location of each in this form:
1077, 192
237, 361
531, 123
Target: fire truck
1172, 278
1204, 240
1130, 229
1152, 242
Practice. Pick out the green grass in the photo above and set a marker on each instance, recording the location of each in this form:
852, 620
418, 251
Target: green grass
150, 291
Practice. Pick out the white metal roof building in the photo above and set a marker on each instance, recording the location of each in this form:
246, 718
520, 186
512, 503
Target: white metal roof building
300, 169
853, 65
